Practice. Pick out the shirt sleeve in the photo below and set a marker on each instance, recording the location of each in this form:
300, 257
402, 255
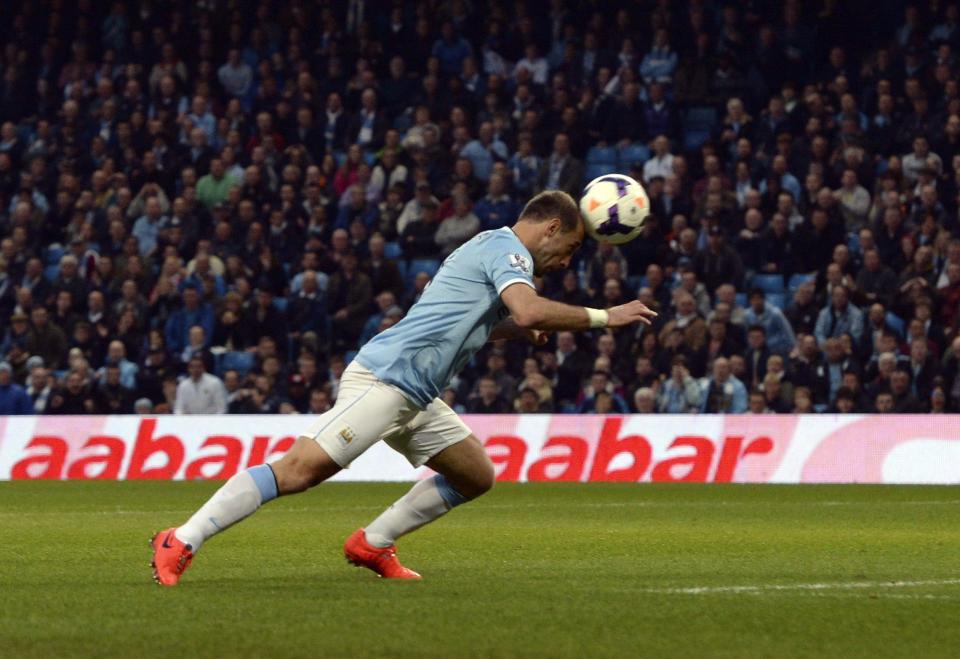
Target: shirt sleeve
506, 263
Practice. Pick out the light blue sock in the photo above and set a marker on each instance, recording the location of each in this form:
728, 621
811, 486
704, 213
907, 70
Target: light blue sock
266, 482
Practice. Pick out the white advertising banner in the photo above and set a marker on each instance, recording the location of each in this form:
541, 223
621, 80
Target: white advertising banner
637, 448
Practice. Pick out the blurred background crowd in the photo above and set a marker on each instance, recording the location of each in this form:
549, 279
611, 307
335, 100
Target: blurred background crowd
209, 206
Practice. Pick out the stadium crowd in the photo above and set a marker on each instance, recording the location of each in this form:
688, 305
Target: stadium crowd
209, 206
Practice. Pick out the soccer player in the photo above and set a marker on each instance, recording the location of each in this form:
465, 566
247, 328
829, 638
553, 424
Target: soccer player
484, 291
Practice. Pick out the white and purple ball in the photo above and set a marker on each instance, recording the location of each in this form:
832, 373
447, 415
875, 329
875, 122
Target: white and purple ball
614, 208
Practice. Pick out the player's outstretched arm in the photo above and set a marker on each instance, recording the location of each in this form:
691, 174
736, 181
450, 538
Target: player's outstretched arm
530, 311
508, 329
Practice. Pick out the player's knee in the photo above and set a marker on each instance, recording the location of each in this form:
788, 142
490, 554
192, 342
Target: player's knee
292, 476
480, 482
298, 471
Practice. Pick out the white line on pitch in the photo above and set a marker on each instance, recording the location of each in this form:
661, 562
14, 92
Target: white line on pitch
763, 588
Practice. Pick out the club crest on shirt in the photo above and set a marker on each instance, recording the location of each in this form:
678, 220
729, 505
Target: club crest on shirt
347, 435
520, 262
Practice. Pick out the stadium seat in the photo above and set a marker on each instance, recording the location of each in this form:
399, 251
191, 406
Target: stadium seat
601, 160
280, 303
740, 299
632, 153
238, 361
853, 243
53, 255
698, 123
768, 283
896, 322
416, 266
340, 157
593, 171
403, 122
50, 272
778, 300
797, 279
370, 157
348, 356
602, 155
392, 250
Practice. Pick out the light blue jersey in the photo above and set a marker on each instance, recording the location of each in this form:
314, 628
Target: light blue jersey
452, 319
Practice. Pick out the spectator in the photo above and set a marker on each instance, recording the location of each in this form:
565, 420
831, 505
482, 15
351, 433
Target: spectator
839, 317
723, 392
192, 312
484, 151
679, 393
561, 171
349, 298
214, 187
487, 400
719, 263
457, 229
13, 398
419, 239
235, 76
74, 397
200, 392
111, 396
46, 339
39, 387
779, 334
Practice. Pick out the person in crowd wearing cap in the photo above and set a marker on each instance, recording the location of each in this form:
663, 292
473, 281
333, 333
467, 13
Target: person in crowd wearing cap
413, 210
719, 263
17, 333
13, 397
419, 238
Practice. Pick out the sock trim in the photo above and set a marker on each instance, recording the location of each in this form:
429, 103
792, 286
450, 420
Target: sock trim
266, 481
447, 493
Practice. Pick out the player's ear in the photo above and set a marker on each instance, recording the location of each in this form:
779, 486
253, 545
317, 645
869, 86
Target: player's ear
553, 227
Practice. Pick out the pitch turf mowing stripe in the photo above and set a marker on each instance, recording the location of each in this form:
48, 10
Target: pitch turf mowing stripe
520, 506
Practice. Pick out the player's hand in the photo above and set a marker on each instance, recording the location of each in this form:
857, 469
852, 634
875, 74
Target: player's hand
538, 337
634, 311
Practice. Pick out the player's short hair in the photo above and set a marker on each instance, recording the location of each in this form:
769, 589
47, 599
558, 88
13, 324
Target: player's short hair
550, 204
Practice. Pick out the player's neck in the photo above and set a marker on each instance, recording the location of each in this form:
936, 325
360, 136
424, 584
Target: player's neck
525, 234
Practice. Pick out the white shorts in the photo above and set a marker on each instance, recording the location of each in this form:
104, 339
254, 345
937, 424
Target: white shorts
368, 410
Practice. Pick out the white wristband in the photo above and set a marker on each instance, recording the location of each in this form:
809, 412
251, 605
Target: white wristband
598, 317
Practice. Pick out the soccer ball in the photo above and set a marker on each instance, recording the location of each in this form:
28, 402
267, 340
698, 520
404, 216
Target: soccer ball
614, 208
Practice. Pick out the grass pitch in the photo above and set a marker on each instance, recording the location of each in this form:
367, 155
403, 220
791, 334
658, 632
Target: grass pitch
564, 570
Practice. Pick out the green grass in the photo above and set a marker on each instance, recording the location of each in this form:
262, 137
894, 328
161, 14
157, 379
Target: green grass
530, 570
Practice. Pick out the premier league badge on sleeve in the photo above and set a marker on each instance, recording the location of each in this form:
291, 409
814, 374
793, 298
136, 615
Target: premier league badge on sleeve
520, 263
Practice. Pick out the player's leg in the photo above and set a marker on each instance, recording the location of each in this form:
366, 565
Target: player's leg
365, 410
438, 438
464, 472
306, 464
